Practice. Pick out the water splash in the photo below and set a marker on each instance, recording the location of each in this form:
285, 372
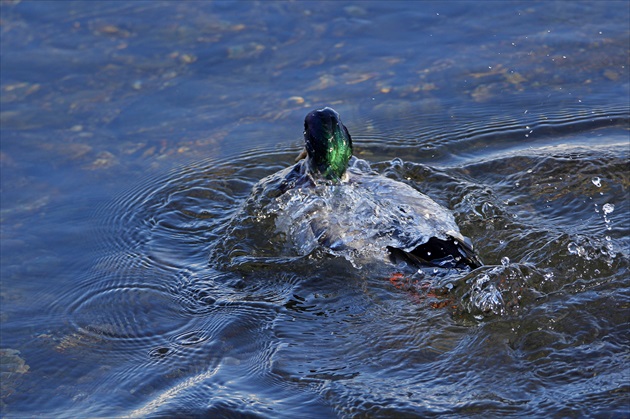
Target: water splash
608, 208
485, 296
575, 249
357, 220
589, 248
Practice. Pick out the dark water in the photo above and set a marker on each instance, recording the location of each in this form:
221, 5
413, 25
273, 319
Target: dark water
133, 285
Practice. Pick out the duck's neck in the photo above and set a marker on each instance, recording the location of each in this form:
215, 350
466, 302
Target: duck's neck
337, 157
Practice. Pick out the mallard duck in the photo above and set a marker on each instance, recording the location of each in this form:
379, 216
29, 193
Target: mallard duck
332, 200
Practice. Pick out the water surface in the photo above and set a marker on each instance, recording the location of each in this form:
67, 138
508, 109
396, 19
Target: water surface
133, 285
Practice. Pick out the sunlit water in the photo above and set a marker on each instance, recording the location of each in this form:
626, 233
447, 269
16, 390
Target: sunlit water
137, 282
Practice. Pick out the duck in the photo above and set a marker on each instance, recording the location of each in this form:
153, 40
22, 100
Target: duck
333, 201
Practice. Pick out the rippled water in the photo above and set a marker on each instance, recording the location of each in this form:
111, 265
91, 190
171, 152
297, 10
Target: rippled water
136, 282
549, 308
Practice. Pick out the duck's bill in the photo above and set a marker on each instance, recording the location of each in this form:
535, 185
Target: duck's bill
301, 156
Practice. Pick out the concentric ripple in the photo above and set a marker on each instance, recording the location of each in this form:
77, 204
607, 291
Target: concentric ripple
203, 313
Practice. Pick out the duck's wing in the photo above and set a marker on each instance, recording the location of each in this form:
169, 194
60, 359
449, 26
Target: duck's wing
450, 253
425, 233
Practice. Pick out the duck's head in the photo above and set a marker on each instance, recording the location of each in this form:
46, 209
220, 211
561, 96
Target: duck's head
328, 144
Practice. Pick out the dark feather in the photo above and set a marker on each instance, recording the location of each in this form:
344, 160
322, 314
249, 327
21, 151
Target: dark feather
449, 253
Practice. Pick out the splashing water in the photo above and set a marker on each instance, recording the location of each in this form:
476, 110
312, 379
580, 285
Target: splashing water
608, 208
575, 249
485, 296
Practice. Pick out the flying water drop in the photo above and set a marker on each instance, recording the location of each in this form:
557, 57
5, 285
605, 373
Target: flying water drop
608, 208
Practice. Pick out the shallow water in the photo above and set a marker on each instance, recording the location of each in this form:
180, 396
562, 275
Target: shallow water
133, 284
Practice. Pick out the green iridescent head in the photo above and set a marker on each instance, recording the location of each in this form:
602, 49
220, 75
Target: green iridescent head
328, 144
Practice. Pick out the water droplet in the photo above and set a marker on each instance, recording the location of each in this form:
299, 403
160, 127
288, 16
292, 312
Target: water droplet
505, 261
608, 208
597, 181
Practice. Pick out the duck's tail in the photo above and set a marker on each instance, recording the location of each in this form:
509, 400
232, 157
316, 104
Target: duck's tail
449, 253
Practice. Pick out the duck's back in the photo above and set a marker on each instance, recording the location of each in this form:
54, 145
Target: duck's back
362, 218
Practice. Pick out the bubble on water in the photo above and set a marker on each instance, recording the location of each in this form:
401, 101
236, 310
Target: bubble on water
597, 182
397, 162
608, 208
505, 261
548, 276
574, 249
